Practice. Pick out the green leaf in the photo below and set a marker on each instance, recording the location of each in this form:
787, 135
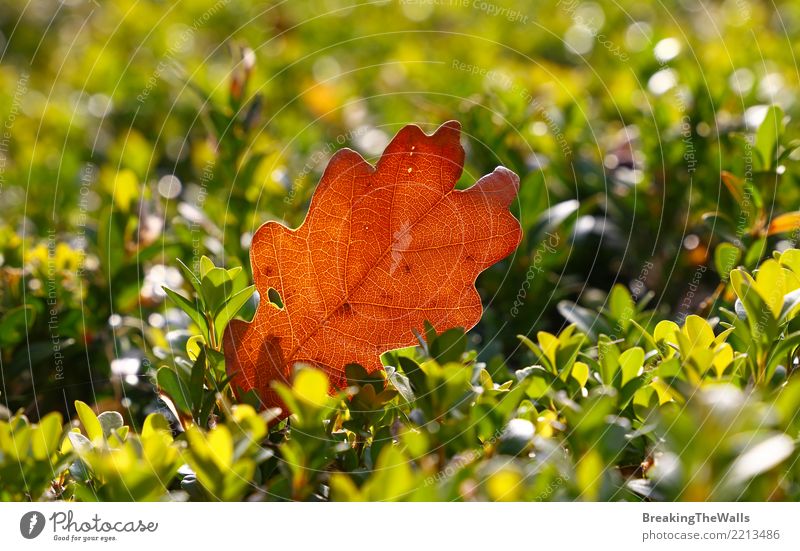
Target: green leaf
589, 471
189, 307
344, 489
155, 423
538, 354
401, 383
665, 331
46, 438
608, 358
415, 375
621, 306
79, 442
592, 412
567, 353
645, 334
761, 456
588, 321
726, 257
790, 148
631, 362
449, 346
196, 379
206, 265
698, 332
759, 317
172, 385
356, 374
228, 310
549, 345
755, 252
193, 280
91, 424
580, 372
393, 478
220, 444
768, 136
110, 421
310, 387
789, 309
237, 479
217, 285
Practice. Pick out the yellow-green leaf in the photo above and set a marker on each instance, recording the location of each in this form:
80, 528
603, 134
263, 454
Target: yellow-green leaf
91, 424
580, 372
549, 345
311, 387
630, 363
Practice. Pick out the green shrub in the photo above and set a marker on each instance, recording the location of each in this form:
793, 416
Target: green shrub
660, 226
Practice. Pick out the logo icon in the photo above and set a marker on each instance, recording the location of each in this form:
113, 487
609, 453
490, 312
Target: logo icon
31, 524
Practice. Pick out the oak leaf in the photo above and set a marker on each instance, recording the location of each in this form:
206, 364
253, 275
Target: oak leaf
381, 250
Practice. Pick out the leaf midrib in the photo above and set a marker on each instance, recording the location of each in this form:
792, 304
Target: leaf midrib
358, 285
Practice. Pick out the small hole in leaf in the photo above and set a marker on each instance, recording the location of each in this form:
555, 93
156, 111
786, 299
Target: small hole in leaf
275, 297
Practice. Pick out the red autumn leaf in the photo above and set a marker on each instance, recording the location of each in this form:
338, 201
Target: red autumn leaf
381, 250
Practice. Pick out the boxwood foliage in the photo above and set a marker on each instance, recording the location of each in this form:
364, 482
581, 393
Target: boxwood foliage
703, 410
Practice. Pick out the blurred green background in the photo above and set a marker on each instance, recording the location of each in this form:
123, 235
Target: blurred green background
138, 132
